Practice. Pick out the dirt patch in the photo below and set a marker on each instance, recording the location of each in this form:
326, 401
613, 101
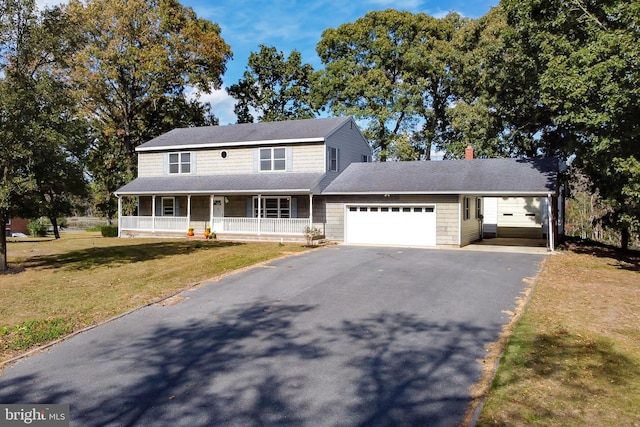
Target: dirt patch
174, 300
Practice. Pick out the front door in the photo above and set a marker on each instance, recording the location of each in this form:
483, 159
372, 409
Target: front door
217, 224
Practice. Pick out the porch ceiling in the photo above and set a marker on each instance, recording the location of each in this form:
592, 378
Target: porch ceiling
262, 183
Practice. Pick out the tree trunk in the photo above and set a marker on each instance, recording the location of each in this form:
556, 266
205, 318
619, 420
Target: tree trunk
54, 224
3, 245
624, 238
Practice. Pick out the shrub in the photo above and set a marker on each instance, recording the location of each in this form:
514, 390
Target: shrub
109, 231
37, 227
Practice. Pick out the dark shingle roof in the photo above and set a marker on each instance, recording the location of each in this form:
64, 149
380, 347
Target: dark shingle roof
264, 132
486, 176
224, 184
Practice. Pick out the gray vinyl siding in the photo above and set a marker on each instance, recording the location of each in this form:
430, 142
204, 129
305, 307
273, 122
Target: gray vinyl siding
307, 158
470, 229
332, 208
150, 164
351, 145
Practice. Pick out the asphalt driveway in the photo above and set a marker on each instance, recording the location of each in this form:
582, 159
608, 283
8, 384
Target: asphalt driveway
339, 336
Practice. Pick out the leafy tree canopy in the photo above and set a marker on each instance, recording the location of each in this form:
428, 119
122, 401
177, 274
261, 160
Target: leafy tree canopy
274, 88
133, 64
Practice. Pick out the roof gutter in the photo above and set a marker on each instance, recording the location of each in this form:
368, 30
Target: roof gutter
439, 193
221, 192
230, 144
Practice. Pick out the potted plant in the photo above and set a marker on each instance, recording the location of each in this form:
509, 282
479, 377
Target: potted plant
207, 231
190, 232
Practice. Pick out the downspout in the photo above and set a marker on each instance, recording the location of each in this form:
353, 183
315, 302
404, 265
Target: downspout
550, 222
119, 215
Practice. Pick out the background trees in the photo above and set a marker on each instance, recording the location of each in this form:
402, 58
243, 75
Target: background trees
134, 64
586, 59
274, 88
82, 85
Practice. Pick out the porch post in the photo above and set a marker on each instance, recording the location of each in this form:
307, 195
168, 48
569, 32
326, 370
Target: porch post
188, 211
259, 212
211, 210
153, 213
550, 222
119, 215
310, 211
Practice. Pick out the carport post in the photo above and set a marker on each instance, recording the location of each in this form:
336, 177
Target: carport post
550, 222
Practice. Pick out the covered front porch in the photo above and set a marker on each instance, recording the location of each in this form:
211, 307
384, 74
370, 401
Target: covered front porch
230, 215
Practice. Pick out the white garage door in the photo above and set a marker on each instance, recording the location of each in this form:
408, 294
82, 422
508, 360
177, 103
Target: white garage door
390, 225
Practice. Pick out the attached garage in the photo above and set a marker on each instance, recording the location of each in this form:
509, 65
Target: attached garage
402, 225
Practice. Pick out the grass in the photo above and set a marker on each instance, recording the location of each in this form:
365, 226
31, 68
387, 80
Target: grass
55, 287
573, 358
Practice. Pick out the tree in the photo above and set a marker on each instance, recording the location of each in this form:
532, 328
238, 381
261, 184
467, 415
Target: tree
365, 72
587, 66
136, 58
274, 87
36, 118
395, 70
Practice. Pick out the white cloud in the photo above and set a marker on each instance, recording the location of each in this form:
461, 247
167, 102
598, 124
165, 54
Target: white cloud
221, 104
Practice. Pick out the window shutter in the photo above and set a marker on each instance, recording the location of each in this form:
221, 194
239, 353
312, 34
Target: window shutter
256, 160
250, 207
328, 158
294, 207
176, 206
165, 163
337, 160
193, 159
289, 159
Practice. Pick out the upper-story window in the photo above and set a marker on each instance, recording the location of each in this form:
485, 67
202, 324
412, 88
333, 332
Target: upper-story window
273, 159
332, 159
179, 162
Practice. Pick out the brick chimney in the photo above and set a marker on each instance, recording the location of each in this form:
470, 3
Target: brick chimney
468, 153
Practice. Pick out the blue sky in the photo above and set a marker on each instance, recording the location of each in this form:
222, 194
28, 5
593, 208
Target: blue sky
295, 24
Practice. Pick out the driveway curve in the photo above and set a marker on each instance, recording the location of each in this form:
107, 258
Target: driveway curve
338, 336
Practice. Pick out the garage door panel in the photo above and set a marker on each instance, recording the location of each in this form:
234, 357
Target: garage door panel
391, 225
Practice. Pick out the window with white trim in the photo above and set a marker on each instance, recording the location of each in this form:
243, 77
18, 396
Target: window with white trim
179, 163
272, 207
467, 208
273, 159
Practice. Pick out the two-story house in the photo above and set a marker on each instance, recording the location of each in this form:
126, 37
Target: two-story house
244, 181
270, 181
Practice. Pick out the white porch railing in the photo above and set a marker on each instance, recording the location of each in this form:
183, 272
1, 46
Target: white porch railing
264, 225
226, 225
159, 223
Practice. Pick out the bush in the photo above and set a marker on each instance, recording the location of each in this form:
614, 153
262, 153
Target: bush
37, 227
109, 231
